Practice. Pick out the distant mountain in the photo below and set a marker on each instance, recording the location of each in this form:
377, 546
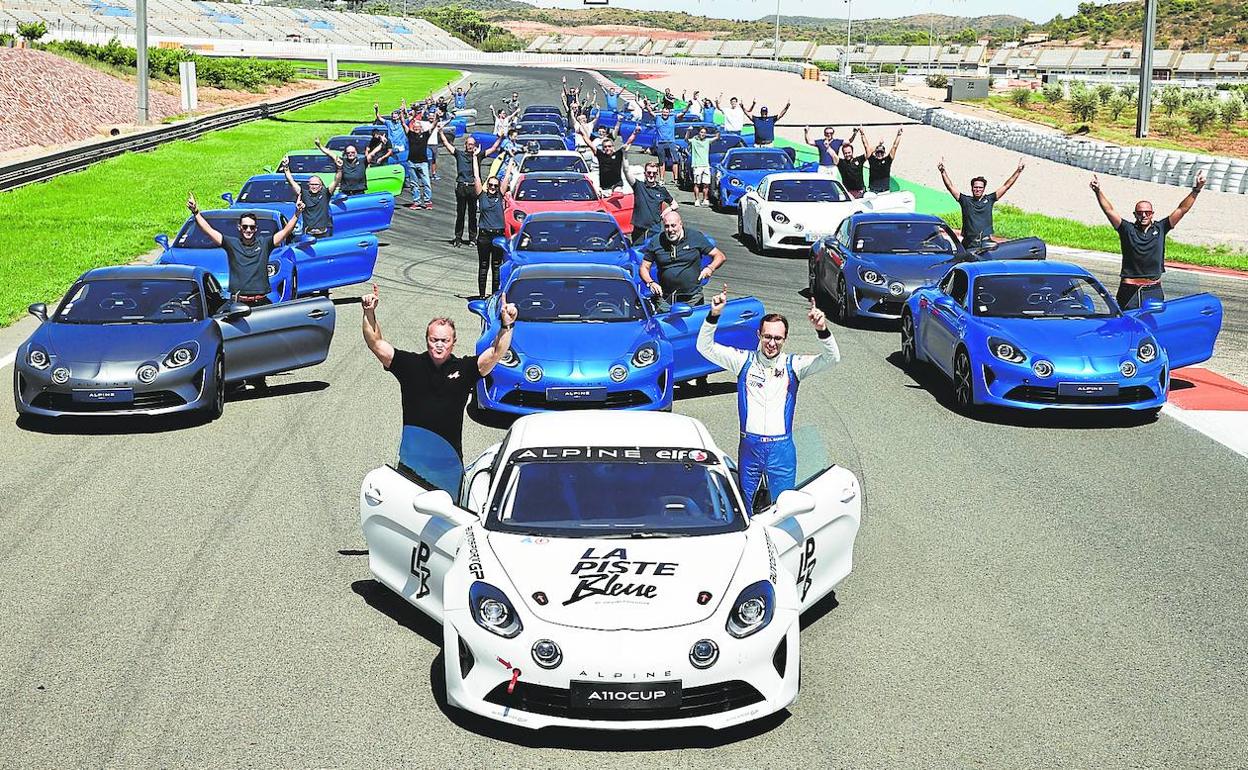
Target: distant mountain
941, 22
1206, 25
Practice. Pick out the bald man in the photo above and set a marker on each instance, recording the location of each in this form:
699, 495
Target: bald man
682, 255
1144, 244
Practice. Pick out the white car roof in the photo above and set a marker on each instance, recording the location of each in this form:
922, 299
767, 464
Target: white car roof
555, 153
608, 428
797, 175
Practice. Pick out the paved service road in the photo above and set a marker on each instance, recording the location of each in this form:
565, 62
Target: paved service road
1061, 593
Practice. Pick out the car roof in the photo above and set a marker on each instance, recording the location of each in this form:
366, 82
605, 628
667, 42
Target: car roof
743, 150
565, 175
568, 216
1022, 267
608, 428
571, 270
894, 216
785, 175
557, 153
140, 272
552, 137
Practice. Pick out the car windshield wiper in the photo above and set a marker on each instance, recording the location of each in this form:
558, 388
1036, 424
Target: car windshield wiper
640, 535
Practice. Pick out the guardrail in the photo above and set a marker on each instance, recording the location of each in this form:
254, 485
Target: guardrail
62, 162
1229, 175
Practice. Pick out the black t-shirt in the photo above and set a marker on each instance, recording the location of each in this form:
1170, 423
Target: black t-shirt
610, 167
851, 172
668, 101
418, 145
354, 176
976, 216
881, 169
463, 167
1144, 250
315, 209
679, 263
377, 141
647, 204
490, 211
434, 397
249, 265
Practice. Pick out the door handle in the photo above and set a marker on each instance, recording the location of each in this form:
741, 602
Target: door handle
748, 314
1206, 311
373, 496
362, 244
318, 313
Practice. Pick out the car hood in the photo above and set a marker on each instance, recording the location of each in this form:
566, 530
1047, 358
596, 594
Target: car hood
622, 258
806, 210
751, 176
212, 260
580, 341
914, 270
92, 343
613, 585
1070, 339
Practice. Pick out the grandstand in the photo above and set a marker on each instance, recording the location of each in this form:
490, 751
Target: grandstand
193, 21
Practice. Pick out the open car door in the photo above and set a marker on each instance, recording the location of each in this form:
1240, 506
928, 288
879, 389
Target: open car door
737, 327
361, 214
410, 521
276, 338
341, 260
1186, 327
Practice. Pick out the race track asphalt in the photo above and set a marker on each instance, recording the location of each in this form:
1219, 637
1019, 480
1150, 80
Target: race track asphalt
1044, 592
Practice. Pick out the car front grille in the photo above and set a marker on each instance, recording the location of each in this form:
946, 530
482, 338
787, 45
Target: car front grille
1035, 394
64, 402
557, 702
886, 307
532, 399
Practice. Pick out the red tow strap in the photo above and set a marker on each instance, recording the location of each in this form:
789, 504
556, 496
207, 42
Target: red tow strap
515, 676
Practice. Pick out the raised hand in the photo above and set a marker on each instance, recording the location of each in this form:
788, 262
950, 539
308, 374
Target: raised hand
1200, 180
1095, 184
1022, 163
719, 300
370, 301
317, 142
941, 166
191, 203
507, 311
816, 316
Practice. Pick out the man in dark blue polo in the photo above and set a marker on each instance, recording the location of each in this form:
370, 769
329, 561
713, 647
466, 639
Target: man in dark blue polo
682, 255
650, 200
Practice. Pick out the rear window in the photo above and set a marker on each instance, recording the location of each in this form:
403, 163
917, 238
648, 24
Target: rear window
312, 164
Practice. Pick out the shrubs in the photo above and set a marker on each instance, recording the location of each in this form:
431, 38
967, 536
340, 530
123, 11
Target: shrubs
1171, 125
1129, 92
32, 30
936, 81
1171, 99
162, 63
1052, 93
1020, 96
1084, 105
1201, 113
1231, 111
1117, 105
1104, 92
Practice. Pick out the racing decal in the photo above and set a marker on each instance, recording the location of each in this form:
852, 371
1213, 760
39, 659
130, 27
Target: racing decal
474, 557
420, 568
771, 559
806, 568
641, 454
600, 575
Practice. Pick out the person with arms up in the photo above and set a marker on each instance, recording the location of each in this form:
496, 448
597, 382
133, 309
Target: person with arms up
490, 204
708, 110
315, 197
460, 95
977, 207
734, 115
465, 191
650, 200
352, 169
610, 160
379, 149
765, 124
1143, 244
829, 148
418, 135
680, 253
665, 143
881, 163
668, 100
700, 165
435, 385
611, 99
767, 383
247, 254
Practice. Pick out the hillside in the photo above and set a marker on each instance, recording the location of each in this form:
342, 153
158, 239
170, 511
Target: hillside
1209, 25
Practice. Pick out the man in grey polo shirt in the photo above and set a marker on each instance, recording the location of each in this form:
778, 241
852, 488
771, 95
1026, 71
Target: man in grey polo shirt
977, 207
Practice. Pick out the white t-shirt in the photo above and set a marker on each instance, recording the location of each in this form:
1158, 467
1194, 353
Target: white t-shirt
734, 118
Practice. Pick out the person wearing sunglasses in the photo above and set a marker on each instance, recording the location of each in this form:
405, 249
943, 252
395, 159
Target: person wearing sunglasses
490, 205
767, 382
247, 254
1143, 244
650, 200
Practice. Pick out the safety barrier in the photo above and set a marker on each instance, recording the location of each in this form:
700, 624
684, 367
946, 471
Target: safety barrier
1144, 163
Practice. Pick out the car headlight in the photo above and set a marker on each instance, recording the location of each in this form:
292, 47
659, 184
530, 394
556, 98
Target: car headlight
703, 653
619, 373
547, 654
533, 373
896, 288
493, 611
1127, 368
38, 358
734, 181
873, 277
60, 375
1042, 369
180, 356
752, 610
147, 373
646, 354
779, 217
1006, 351
510, 358
519, 215
271, 269
1147, 351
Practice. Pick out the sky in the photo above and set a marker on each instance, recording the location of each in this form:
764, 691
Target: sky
753, 9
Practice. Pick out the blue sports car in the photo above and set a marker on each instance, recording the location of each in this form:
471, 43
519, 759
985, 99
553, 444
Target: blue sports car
303, 265
715, 153
1038, 335
742, 168
585, 339
873, 262
567, 237
350, 214
158, 339
648, 137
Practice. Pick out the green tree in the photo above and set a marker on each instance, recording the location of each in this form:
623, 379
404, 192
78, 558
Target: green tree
1084, 105
1231, 111
1103, 92
32, 30
1201, 114
1129, 91
1020, 96
1171, 99
1117, 105
1052, 93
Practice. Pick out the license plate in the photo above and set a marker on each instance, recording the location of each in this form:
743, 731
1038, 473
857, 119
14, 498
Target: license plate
576, 394
1087, 389
812, 237
626, 695
105, 396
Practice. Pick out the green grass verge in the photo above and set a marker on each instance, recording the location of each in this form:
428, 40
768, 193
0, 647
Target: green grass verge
106, 215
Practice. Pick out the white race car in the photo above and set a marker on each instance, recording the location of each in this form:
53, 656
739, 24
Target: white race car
599, 570
793, 210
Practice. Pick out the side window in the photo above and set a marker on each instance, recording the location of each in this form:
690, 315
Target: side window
946, 283
842, 234
959, 287
212, 295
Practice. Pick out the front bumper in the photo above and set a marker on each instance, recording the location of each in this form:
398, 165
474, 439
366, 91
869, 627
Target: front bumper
174, 390
792, 235
752, 678
872, 301
999, 383
505, 389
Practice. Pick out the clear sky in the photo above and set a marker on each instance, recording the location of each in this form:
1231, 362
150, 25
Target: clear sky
753, 9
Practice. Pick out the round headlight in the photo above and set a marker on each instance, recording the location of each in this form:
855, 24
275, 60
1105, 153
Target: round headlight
1042, 368
533, 373
181, 356
510, 358
1127, 369
546, 653
60, 375
704, 653
751, 611
37, 358
494, 612
645, 355
1147, 351
271, 269
870, 276
780, 217
734, 182
147, 373
619, 373
896, 288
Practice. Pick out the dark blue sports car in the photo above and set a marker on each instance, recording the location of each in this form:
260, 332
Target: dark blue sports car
351, 214
568, 237
873, 262
586, 339
742, 168
1040, 335
158, 339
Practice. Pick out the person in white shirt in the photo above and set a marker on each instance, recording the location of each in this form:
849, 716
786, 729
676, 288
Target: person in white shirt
734, 116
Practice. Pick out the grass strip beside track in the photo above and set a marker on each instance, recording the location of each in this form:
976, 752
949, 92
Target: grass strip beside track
106, 215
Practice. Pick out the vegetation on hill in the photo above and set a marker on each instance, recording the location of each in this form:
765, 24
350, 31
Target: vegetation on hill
162, 63
1209, 25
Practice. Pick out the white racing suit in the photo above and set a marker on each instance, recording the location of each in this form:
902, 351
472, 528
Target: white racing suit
766, 398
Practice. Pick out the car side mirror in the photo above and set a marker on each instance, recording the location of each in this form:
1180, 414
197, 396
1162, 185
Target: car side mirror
792, 502
1152, 305
228, 197
477, 306
236, 310
682, 309
162, 240
438, 503
38, 310
499, 242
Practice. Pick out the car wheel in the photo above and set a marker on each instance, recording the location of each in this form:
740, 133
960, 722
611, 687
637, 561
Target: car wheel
843, 314
963, 385
758, 238
908, 356
217, 407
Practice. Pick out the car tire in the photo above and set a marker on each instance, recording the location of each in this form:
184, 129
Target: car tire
216, 408
843, 315
758, 239
963, 382
909, 353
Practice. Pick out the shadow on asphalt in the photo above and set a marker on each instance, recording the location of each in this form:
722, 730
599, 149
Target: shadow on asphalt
273, 391
820, 608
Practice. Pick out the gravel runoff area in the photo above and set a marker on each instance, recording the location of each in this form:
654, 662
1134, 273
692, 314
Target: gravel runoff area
1046, 187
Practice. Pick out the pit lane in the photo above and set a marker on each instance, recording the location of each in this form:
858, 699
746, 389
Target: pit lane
1057, 592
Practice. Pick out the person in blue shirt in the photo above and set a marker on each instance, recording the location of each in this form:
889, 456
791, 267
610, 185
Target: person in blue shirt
829, 148
708, 110
665, 143
611, 99
765, 125
686, 259
460, 95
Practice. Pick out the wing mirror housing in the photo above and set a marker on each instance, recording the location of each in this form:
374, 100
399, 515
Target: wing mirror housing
236, 310
792, 502
38, 310
499, 242
162, 241
477, 306
682, 309
438, 503
1152, 305
228, 197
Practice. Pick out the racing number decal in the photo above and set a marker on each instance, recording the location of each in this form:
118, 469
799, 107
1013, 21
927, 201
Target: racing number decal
420, 568
806, 568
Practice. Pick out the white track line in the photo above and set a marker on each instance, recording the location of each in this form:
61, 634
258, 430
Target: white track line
1230, 429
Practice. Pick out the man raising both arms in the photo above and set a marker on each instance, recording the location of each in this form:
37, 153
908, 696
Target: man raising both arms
977, 207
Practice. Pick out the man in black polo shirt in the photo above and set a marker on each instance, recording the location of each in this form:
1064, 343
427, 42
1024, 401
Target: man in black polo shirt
352, 167
248, 254
465, 191
1144, 244
490, 203
977, 207
315, 197
850, 167
610, 160
435, 385
650, 200
679, 253
880, 162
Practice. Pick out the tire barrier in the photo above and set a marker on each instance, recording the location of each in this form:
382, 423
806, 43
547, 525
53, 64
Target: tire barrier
1147, 164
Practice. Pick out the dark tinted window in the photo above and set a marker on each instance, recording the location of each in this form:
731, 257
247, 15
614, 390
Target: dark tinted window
122, 300
904, 238
766, 161
576, 299
271, 191
1040, 296
562, 235
312, 164
805, 190
191, 237
553, 163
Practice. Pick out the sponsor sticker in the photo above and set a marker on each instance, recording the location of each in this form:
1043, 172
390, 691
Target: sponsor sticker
616, 453
613, 574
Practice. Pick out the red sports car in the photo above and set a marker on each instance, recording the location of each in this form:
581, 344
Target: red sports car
562, 191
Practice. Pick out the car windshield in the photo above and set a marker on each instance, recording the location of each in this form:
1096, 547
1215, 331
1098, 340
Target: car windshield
574, 163
761, 161
576, 299
192, 237
269, 191
311, 164
538, 143
805, 190
723, 145
904, 238
359, 142
127, 300
635, 496
574, 189
564, 235
537, 128
1041, 296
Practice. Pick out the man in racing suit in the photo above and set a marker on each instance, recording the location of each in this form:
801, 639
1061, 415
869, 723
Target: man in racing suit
767, 393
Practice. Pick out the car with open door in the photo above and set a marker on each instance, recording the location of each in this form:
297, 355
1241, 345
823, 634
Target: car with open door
350, 214
388, 177
1047, 335
601, 570
158, 339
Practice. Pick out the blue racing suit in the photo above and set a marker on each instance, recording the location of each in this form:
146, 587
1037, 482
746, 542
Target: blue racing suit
766, 398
